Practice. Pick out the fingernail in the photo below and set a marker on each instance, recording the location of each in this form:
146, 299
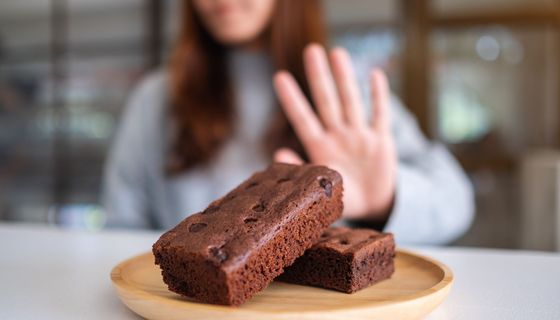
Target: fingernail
339, 50
281, 74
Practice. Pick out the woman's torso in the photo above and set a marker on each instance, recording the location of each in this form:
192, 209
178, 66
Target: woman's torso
178, 196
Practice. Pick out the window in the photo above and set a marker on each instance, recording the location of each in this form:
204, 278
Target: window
66, 68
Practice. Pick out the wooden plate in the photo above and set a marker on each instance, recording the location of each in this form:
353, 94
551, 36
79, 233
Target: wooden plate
418, 285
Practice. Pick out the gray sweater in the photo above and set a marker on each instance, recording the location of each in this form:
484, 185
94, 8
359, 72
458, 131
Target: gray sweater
434, 199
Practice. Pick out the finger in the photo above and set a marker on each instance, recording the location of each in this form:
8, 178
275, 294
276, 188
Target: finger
347, 87
285, 155
322, 85
380, 101
297, 109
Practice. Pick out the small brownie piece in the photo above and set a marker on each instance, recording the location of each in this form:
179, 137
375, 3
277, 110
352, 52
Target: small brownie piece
345, 259
242, 241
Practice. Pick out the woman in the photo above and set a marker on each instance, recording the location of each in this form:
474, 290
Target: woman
195, 131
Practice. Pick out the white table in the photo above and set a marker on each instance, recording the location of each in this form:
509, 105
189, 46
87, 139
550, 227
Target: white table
48, 273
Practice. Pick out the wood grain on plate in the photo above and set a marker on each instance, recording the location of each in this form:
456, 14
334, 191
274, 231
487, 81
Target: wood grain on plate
418, 285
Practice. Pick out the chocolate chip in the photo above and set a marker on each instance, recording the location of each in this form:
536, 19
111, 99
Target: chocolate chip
250, 220
325, 235
283, 180
252, 184
219, 254
196, 227
327, 185
259, 207
344, 242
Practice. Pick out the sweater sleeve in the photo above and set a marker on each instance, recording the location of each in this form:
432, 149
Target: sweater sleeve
125, 194
434, 198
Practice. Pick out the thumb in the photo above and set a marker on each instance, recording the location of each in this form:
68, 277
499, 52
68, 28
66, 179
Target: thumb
286, 155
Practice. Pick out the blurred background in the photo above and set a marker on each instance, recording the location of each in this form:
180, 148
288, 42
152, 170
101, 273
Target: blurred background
481, 76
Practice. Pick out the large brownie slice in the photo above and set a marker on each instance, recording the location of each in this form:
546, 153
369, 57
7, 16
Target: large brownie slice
345, 259
242, 241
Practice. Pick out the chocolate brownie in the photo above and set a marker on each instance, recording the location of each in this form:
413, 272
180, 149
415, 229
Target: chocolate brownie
345, 259
242, 241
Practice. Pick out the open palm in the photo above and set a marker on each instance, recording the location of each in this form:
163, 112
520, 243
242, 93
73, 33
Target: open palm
339, 136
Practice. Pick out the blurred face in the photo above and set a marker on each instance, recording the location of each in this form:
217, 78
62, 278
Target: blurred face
235, 22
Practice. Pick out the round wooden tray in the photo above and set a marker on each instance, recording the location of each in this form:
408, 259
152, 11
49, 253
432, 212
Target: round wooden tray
418, 285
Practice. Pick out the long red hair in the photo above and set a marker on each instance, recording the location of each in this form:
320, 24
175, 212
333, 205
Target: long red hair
201, 94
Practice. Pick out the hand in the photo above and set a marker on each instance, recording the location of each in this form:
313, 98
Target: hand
341, 137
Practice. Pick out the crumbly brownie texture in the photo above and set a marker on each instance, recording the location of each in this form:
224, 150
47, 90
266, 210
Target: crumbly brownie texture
242, 241
345, 259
